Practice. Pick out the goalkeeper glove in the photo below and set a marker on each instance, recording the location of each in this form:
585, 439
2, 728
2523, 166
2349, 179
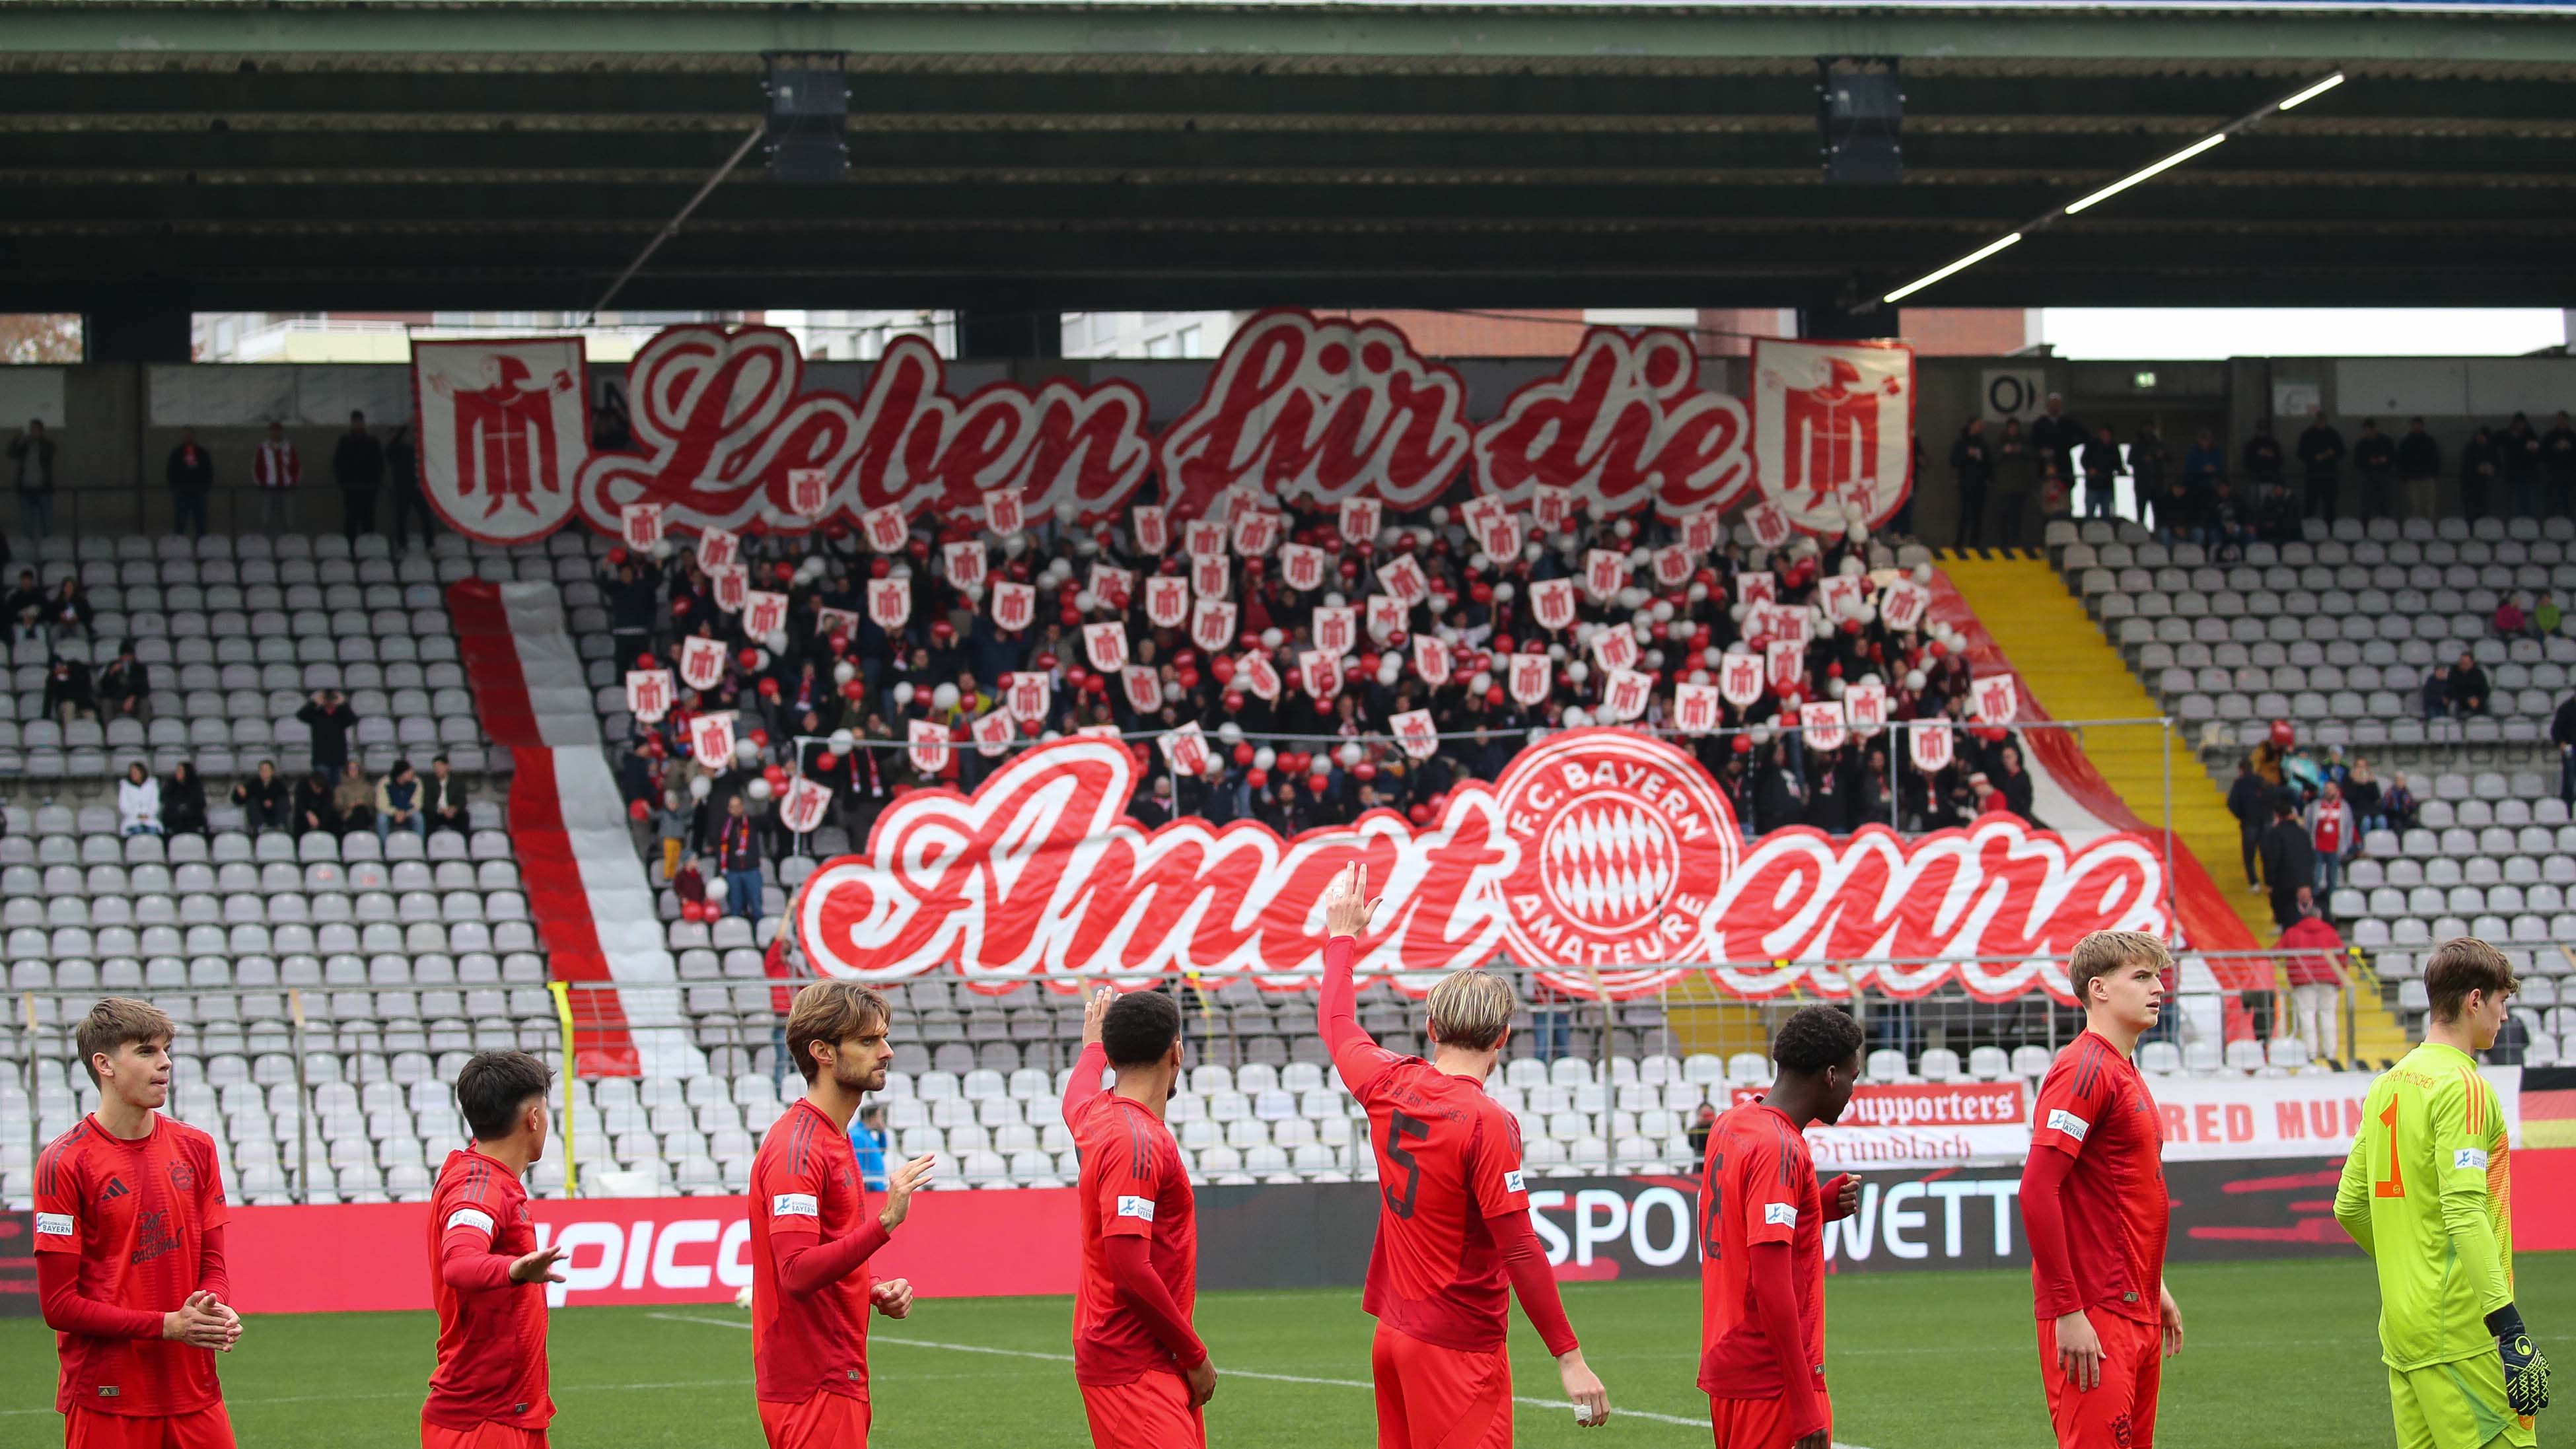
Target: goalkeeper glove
2526, 1372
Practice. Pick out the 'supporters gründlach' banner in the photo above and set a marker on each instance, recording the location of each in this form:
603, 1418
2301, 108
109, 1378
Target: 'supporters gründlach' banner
1598, 851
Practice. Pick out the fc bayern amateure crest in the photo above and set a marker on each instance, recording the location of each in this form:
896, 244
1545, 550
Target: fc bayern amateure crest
648, 694
809, 491
1623, 843
1431, 659
1337, 631
1004, 511
965, 561
1605, 573
1359, 520
1106, 644
640, 525
763, 613
1210, 576
885, 528
929, 746
803, 808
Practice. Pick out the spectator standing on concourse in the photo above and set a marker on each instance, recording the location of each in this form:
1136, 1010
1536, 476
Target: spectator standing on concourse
2260, 459
2480, 465
2558, 461
330, 719
2521, 447
2321, 451
2058, 435
2419, 463
191, 475
2289, 860
276, 469
2335, 834
33, 452
2375, 454
1972, 459
2102, 469
2016, 477
358, 466
737, 849
402, 468
2562, 733
2150, 469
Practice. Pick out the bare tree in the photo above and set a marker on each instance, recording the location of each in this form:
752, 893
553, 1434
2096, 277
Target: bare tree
40, 337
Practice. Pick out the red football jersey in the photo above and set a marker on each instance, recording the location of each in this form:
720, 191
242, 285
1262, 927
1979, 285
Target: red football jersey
2094, 1107
806, 1177
491, 1345
1758, 1185
1448, 1158
137, 1213
1132, 1184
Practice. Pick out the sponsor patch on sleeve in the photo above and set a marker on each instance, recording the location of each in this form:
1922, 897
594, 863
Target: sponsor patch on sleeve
1514, 1182
467, 1217
2061, 1120
793, 1205
1140, 1208
1780, 1214
2474, 1158
56, 1225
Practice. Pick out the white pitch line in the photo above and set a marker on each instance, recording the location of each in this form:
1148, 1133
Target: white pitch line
417, 1394
1222, 1373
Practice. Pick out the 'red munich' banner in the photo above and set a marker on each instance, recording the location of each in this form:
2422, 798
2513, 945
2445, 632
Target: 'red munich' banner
723, 433
1598, 851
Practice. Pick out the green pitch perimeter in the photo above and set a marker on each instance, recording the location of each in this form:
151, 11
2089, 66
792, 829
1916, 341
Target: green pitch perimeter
2280, 1354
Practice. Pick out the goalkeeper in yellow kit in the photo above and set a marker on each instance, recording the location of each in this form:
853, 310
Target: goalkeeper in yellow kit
2428, 1193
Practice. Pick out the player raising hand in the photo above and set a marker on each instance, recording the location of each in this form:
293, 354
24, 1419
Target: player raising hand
1453, 1224
812, 1233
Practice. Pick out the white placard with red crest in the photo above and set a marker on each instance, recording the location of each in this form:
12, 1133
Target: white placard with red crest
1833, 427
1211, 575
965, 562
763, 613
1823, 721
1114, 587
1499, 536
1386, 617
1402, 576
1741, 678
1788, 662
702, 662
1605, 573
1005, 511
648, 694
992, 733
1770, 526
890, 603
1431, 659
1415, 731
640, 525
1531, 676
1318, 673
1995, 699
718, 549
1153, 534
1482, 511
1212, 625
1167, 600
733, 587
1865, 706
885, 528
711, 740
1614, 646
1695, 708
803, 808
1757, 587
1029, 694
1359, 520
1672, 565
1205, 537
1255, 672
1624, 696
809, 491
1337, 631
1257, 531
1106, 644
1301, 565
1552, 603
930, 746
1841, 593
1902, 604
1552, 507
1932, 744
1015, 606
1185, 750
1703, 531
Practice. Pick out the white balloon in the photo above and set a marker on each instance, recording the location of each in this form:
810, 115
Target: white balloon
759, 787
1712, 656
1389, 669
1014, 544
902, 695
746, 751
1503, 592
759, 660
1624, 529
1273, 638
1333, 600
1643, 632
1439, 514
1264, 758
901, 570
1389, 536
1660, 611
699, 785
1737, 611
1654, 659
1556, 653
1533, 553
775, 641
844, 672
1851, 563
1696, 592
716, 888
1230, 732
842, 742
1923, 573
662, 548
1479, 561
1348, 754
1576, 717
1915, 679
1064, 513
1086, 601
1834, 688
1480, 683
1699, 676
1051, 735
1761, 734
1872, 678
944, 697
1858, 533
1583, 632
1579, 671
1633, 597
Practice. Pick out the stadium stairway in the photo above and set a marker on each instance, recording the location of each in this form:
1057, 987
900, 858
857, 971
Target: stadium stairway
2076, 673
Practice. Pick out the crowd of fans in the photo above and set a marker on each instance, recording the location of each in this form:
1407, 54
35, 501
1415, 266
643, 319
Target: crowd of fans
837, 703
2068, 469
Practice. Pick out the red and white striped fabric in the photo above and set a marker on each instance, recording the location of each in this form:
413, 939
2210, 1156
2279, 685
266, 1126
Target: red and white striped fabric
586, 889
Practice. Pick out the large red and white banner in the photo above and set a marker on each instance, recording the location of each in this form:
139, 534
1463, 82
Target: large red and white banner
1833, 430
1598, 851
1300, 409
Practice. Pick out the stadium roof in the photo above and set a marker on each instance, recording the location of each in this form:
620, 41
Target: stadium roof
282, 156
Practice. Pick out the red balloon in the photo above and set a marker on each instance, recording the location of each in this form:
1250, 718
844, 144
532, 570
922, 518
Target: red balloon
1744, 744
768, 686
827, 761
644, 660
776, 775
1494, 697
1419, 815
1319, 783
1364, 771
1502, 643
1243, 754
760, 738
680, 607
1074, 674
1234, 701
639, 811
1481, 593
1257, 779
1368, 665
840, 643
1248, 643
1096, 684
1186, 677
616, 556
1071, 616
1044, 661
750, 658
855, 690
1222, 666
785, 572
942, 629
880, 566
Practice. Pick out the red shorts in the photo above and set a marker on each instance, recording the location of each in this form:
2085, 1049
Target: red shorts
1756, 1423
206, 1428
2120, 1412
825, 1420
1151, 1412
1430, 1397
486, 1435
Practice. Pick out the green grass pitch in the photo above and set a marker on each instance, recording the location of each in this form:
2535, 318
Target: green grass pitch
2281, 1355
